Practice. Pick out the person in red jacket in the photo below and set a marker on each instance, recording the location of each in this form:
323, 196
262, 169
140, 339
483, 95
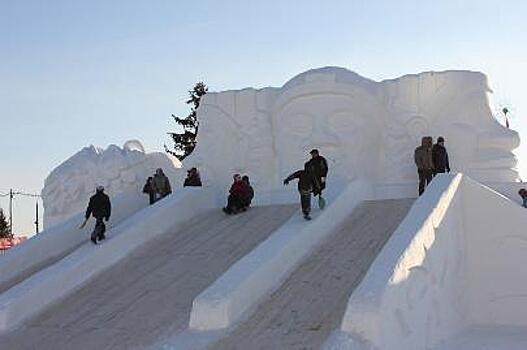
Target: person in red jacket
237, 193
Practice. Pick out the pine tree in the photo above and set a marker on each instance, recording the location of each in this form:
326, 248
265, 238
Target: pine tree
4, 226
185, 140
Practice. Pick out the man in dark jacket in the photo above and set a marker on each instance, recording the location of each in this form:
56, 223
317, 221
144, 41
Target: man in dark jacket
305, 187
193, 179
440, 157
100, 207
423, 161
249, 193
161, 184
317, 166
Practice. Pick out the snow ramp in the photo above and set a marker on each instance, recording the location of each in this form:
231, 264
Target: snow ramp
451, 276
149, 293
309, 305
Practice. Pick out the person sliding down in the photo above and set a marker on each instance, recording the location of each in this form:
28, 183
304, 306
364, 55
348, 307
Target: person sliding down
249, 193
317, 166
305, 187
100, 207
237, 194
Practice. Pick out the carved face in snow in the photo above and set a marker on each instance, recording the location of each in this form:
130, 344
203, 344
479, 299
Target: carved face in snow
345, 134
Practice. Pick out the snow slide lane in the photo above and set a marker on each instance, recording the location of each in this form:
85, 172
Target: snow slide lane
310, 304
149, 294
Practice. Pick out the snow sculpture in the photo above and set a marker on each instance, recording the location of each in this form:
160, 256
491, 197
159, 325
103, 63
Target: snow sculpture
366, 129
119, 170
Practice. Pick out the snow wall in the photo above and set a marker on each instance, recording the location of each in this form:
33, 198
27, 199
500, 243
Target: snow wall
365, 129
452, 263
121, 171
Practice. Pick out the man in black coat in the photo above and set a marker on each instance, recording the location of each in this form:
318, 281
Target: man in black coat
440, 157
317, 166
305, 187
100, 208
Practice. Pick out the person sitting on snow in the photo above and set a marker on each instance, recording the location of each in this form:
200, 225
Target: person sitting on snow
249, 192
193, 179
305, 188
236, 197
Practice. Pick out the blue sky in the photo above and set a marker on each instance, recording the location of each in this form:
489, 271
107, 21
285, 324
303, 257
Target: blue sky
74, 73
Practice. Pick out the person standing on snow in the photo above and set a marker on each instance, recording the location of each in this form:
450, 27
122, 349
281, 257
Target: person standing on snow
101, 209
317, 166
193, 179
423, 161
440, 157
523, 194
161, 184
149, 189
305, 187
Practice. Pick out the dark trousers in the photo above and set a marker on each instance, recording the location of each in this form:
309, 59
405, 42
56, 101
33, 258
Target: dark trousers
234, 203
425, 176
305, 202
99, 230
152, 197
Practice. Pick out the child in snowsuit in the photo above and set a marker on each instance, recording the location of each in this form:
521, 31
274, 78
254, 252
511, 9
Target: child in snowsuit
149, 189
305, 188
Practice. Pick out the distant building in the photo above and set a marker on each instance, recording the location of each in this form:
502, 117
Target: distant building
6, 243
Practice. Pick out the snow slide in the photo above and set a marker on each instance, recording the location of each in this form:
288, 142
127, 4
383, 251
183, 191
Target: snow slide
450, 277
148, 294
310, 303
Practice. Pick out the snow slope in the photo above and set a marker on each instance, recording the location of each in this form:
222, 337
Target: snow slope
451, 266
149, 293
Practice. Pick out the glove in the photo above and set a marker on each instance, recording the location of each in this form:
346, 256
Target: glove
286, 182
83, 223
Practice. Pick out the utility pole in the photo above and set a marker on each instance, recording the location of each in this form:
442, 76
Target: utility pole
36, 217
11, 212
